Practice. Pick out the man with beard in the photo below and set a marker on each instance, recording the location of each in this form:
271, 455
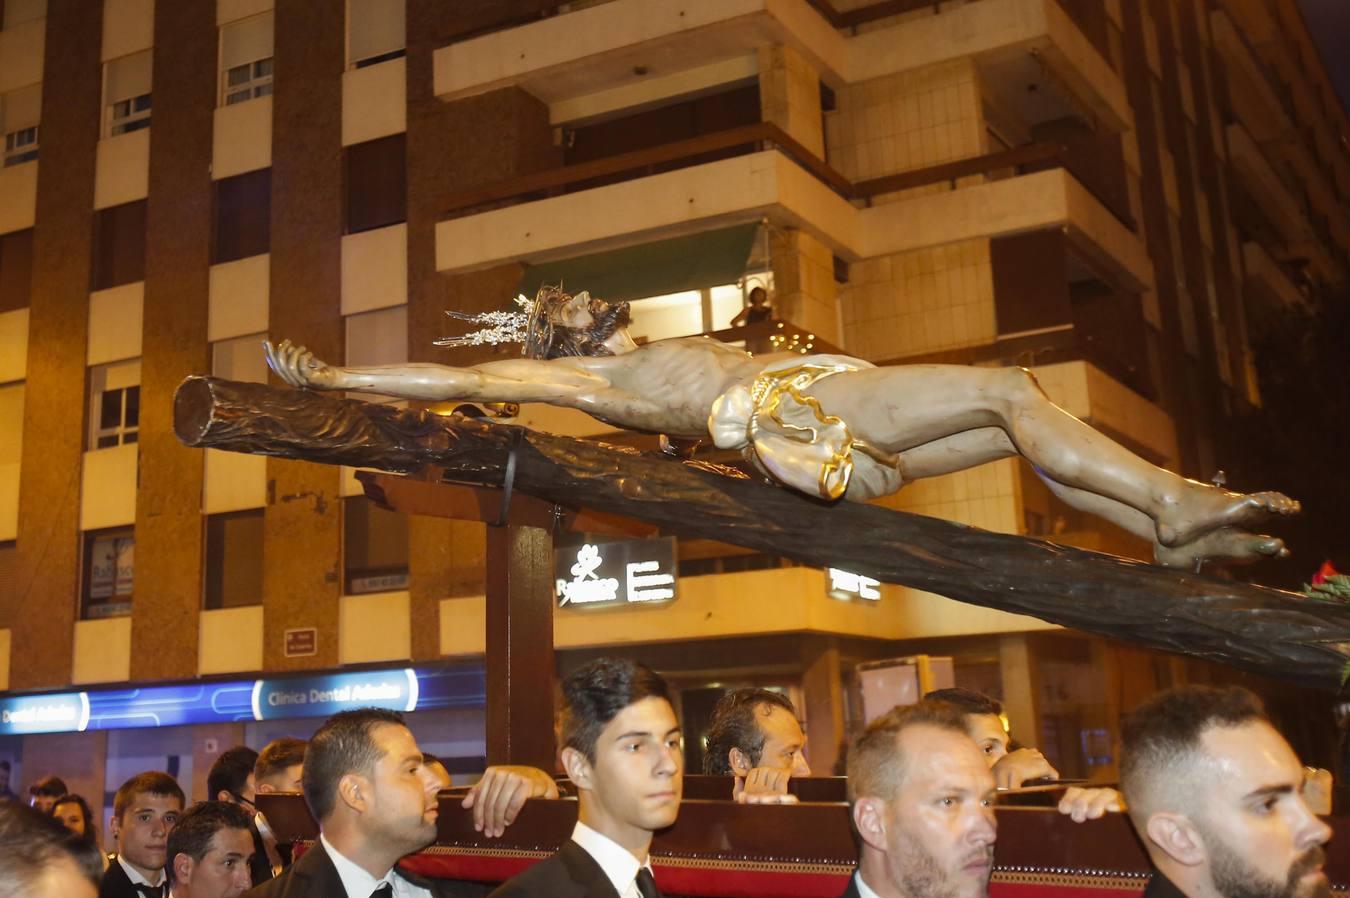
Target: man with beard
621, 749
375, 801
1215, 793
922, 802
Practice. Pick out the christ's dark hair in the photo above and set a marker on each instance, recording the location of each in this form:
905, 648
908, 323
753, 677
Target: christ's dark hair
550, 339
193, 832
34, 843
735, 724
344, 744
595, 694
152, 782
967, 701
231, 771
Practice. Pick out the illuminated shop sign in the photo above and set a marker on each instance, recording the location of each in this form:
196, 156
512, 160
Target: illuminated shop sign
319, 695
608, 574
848, 585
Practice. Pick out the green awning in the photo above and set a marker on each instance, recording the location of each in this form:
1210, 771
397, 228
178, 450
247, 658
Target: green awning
651, 269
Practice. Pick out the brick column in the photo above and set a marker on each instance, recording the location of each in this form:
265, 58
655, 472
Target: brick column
168, 588
43, 607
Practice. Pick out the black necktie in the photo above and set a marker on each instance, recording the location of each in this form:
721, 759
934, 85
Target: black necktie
383, 890
646, 885
150, 891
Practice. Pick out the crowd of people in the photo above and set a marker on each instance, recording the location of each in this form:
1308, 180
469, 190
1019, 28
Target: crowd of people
1216, 795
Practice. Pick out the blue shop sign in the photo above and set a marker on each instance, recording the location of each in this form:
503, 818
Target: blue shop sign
401, 689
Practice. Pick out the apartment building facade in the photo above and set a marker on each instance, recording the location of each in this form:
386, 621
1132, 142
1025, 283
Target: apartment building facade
1108, 192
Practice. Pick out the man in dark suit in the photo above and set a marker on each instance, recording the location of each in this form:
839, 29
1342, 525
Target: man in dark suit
375, 802
145, 808
231, 780
921, 796
1216, 795
208, 851
621, 749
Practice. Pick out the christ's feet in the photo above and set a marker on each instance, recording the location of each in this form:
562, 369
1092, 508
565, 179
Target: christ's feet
1225, 544
1205, 508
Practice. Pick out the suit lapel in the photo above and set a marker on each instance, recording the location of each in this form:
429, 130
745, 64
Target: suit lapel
316, 867
585, 871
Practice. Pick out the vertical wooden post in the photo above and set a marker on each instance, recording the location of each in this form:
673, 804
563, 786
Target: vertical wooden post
520, 646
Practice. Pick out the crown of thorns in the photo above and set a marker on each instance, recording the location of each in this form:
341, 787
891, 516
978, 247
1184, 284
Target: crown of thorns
529, 325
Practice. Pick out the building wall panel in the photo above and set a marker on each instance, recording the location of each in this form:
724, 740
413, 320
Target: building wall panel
128, 27
22, 49
115, 320
18, 185
102, 651
301, 583
178, 217
122, 167
374, 101
108, 488
239, 297
41, 610
13, 345
242, 138
230, 641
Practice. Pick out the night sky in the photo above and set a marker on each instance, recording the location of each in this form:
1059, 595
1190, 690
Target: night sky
1329, 22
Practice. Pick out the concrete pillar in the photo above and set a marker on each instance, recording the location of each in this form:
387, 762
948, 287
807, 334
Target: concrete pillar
823, 696
805, 292
1019, 687
789, 96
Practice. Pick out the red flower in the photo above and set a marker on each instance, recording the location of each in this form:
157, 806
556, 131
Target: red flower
1324, 573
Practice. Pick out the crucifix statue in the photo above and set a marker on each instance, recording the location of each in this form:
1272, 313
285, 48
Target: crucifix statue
830, 426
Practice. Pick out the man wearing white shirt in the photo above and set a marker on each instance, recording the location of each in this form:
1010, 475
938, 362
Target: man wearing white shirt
375, 802
622, 751
145, 808
922, 800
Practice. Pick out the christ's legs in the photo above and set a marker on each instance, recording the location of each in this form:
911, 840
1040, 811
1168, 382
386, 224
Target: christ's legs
986, 444
901, 408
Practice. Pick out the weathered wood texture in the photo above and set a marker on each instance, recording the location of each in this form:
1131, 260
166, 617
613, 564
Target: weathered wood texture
1265, 630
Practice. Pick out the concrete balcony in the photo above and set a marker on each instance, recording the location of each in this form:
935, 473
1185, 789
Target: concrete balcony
649, 49
1256, 99
769, 183
1276, 196
1265, 277
1087, 392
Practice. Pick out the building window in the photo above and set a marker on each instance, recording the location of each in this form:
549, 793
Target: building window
234, 559
19, 11
240, 359
20, 111
114, 404
16, 270
109, 568
375, 548
377, 183
119, 245
242, 224
11, 423
126, 92
246, 59
375, 31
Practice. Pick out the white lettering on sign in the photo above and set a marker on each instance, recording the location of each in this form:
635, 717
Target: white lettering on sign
60, 713
644, 581
854, 584
646, 586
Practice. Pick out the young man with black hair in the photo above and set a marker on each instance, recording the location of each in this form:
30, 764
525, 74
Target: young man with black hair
277, 768
755, 737
922, 801
1216, 796
208, 851
145, 809
621, 748
40, 858
43, 794
231, 779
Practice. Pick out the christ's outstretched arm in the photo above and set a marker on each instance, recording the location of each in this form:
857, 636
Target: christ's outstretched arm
513, 380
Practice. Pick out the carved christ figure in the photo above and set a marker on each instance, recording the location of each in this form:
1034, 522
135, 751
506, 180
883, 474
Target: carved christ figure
831, 426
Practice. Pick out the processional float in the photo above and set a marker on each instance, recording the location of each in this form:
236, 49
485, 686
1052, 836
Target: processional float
820, 435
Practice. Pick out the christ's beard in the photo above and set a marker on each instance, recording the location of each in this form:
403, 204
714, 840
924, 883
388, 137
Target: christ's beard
1235, 878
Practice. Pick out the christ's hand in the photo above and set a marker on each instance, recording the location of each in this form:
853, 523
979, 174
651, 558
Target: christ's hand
300, 368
